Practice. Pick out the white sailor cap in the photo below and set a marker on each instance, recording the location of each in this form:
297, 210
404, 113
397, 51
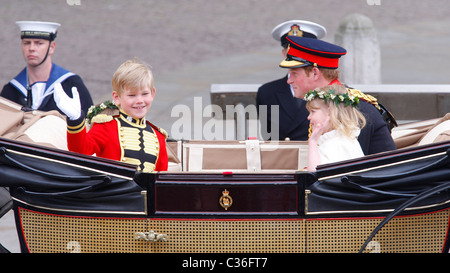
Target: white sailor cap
298, 28
38, 30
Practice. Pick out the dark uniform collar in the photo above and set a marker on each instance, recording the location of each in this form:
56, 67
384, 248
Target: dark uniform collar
136, 122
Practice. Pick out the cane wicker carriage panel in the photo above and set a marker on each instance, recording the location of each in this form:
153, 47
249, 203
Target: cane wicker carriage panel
423, 233
54, 233
45, 233
232, 236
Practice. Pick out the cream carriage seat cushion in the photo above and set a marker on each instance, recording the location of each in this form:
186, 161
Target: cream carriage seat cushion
440, 132
244, 156
423, 132
44, 128
49, 129
174, 151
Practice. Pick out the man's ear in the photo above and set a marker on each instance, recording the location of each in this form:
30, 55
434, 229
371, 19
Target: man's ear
316, 72
52, 48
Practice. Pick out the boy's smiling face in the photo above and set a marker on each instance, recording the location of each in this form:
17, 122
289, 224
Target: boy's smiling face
135, 102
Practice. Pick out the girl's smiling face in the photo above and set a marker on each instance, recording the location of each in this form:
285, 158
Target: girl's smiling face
319, 115
135, 102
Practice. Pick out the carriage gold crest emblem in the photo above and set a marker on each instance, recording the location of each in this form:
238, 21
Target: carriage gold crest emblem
225, 200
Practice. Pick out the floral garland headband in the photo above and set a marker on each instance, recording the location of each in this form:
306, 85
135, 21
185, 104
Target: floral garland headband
332, 96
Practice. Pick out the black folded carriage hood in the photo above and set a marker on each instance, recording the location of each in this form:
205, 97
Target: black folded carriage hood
58, 179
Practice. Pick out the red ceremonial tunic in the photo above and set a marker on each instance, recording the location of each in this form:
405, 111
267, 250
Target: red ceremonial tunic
134, 141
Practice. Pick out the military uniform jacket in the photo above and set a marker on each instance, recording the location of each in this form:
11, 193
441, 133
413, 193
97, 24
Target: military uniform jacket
292, 122
375, 137
16, 89
122, 138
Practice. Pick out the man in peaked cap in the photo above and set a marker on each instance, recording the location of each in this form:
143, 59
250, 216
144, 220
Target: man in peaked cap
34, 86
314, 63
292, 122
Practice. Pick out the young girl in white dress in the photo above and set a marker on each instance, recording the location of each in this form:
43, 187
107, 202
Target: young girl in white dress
335, 123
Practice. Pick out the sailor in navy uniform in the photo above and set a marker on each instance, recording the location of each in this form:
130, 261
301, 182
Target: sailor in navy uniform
33, 87
313, 63
292, 123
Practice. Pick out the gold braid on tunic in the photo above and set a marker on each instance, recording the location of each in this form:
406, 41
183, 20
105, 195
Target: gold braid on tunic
138, 142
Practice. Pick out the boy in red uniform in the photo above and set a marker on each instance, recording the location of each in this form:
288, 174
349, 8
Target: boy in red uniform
123, 134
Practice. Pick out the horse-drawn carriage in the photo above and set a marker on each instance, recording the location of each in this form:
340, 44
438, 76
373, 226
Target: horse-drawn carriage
229, 196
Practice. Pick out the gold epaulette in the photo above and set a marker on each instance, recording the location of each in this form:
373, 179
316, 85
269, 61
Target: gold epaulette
101, 113
370, 99
102, 118
387, 116
162, 131
105, 116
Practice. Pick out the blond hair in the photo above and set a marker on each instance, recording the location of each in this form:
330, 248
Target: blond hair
343, 118
132, 74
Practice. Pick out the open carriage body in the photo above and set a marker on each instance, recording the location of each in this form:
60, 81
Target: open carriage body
228, 196
65, 202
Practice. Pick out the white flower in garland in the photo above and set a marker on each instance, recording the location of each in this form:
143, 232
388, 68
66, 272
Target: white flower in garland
91, 109
96, 110
331, 96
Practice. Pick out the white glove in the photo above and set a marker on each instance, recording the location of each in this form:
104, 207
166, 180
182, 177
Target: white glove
69, 106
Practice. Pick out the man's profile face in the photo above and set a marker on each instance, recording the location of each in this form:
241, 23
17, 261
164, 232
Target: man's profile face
301, 81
